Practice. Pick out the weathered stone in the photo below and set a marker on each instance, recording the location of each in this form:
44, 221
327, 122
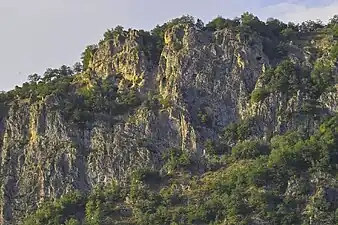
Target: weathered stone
43, 155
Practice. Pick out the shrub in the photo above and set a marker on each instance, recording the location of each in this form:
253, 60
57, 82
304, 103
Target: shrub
250, 150
259, 94
72, 221
238, 131
176, 159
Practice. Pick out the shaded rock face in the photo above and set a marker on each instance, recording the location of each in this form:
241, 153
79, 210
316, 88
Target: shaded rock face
199, 75
332, 196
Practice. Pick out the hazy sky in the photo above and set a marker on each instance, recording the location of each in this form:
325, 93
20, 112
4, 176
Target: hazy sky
37, 34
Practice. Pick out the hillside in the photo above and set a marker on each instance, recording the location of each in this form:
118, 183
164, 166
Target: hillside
232, 122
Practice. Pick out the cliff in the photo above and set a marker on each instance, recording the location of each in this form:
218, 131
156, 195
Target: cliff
148, 100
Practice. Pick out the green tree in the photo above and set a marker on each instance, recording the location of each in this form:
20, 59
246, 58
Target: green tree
275, 26
322, 75
199, 24
220, 23
252, 21
333, 21
87, 55
65, 71
77, 67
250, 150
115, 32
311, 26
285, 77
34, 78
50, 74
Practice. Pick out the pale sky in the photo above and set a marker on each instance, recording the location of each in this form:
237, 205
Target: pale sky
37, 34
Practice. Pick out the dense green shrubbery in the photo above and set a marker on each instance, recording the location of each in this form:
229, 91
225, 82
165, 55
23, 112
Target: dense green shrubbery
249, 150
54, 81
220, 23
59, 211
176, 159
288, 77
100, 98
79, 104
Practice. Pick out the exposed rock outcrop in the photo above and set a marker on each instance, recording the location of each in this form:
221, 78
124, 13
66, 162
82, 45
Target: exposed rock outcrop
203, 81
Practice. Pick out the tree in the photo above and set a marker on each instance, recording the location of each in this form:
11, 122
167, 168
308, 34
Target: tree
119, 29
220, 23
252, 21
247, 18
50, 74
3, 99
322, 75
217, 24
293, 26
87, 55
186, 19
250, 150
114, 32
275, 26
288, 33
334, 20
34, 78
65, 71
77, 67
284, 77
199, 24
311, 26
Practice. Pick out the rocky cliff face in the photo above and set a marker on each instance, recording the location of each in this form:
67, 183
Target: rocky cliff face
201, 83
